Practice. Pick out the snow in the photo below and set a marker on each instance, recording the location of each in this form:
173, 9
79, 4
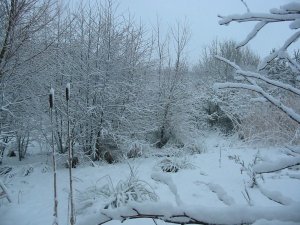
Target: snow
276, 196
295, 24
222, 195
52, 91
167, 179
201, 193
293, 6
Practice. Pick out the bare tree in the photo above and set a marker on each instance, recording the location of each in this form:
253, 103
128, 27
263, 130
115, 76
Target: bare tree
172, 78
21, 24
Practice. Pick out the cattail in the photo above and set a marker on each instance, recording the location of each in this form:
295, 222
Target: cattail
68, 91
51, 104
51, 98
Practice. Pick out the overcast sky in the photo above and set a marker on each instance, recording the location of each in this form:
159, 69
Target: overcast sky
202, 18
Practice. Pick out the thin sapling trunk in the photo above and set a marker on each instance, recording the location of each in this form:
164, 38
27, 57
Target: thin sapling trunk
70, 154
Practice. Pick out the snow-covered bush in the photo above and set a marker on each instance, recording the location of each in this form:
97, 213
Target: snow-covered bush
216, 117
196, 146
135, 151
174, 164
265, 125
222, 111
125, 191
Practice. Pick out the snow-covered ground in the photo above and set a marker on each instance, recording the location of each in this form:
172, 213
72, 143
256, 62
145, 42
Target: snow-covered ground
215, 178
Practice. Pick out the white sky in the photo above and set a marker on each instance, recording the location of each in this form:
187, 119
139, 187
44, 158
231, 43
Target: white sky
202, 18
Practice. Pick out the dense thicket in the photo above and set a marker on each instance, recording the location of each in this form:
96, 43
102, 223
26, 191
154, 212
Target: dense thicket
129, 84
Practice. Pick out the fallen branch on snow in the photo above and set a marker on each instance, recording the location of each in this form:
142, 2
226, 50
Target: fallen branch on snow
280, 164
232, 215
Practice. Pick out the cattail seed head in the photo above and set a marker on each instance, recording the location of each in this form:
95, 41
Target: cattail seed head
51, 98
68, 91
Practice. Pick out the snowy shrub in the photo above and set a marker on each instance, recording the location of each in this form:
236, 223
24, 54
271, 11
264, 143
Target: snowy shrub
195, 147
125, 191
135, 151
169, 166
265, 125
174, 164
216, 117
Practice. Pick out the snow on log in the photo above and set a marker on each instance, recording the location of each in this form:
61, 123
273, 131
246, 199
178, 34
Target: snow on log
280, 164
191, 214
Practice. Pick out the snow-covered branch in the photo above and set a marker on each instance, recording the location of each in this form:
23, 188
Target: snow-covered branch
281, 53
252, 34
257, 17
254, 87
289, 111
286, 13
202, 214
269, 81
260, 77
